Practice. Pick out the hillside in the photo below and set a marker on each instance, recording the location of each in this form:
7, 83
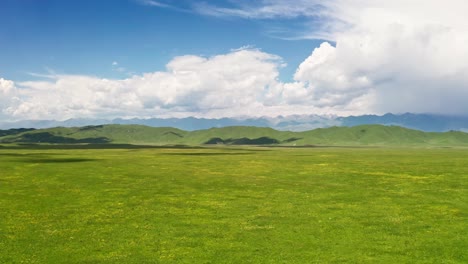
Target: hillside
122, 134
363, 135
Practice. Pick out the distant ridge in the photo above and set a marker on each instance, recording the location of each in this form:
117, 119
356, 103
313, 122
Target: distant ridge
423, 122
363, 135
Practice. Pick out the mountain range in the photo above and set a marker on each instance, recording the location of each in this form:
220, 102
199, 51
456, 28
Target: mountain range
362, 135
423, 122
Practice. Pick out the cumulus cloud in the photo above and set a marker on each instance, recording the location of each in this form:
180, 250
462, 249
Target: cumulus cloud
243, 82
198, 84
225, 85
6, 86
329, 82
387, 56
407, 55
66, 96
7, 97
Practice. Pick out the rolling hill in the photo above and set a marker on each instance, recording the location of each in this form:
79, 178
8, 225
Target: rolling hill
363, 135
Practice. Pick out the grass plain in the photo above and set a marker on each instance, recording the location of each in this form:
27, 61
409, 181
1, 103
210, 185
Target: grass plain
233, 205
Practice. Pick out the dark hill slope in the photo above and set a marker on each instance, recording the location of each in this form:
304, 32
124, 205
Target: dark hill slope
237, 135
125, 134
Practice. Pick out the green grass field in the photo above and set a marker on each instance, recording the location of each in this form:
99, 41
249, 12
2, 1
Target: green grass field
234, 205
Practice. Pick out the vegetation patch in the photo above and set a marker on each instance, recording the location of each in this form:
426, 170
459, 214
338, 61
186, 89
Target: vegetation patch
14, 131
232, 205
243, 141
46, 137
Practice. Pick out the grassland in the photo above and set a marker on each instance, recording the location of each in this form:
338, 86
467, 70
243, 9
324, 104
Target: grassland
233, 205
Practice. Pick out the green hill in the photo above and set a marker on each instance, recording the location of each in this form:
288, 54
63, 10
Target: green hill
364, 135
122, 134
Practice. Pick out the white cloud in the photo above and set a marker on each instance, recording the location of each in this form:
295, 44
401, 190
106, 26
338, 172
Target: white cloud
329, 82
8, 97
388, 56
408, 56
153, 3
243, 82
66, 96
162, 4
6, 86
197, 84
225, 85
263, 9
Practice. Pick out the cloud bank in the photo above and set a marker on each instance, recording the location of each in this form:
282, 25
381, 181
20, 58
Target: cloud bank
242, 82
386, 56
411, 54
390, 56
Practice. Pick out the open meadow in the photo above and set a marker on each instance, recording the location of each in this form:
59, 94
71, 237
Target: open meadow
233, 205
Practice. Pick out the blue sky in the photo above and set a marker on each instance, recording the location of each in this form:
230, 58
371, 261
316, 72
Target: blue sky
63, 59
87, 36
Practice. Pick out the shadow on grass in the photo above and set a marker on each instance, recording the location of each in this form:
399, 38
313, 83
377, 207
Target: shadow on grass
242, 141
42, 158
94, 146
125, 146
208, 154
55, 160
